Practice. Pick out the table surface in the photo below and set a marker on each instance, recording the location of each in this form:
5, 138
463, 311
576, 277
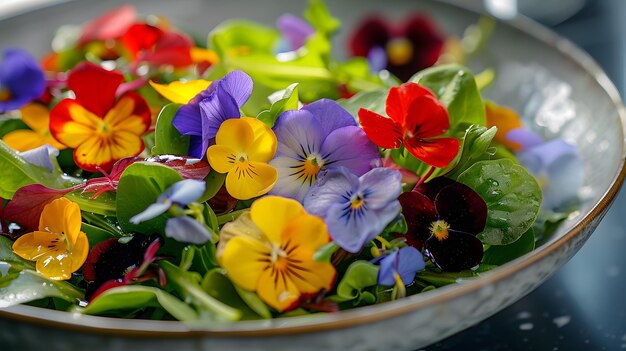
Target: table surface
583, 306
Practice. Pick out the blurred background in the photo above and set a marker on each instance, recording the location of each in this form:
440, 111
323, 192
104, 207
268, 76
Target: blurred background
581, 307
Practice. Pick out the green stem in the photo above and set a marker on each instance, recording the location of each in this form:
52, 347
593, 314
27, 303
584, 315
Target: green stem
231, 216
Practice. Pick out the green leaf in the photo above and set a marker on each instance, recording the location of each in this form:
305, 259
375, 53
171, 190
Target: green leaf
10, 124
359, 276
137, 297
320, 18
19, 285
437, 278
501, 254
288, 101
95, 234
473, 148
7, 254
373, 100
140, 185
15, 172
512, 195
104, 205
168, 141
214, 182
187, 284
325, 253
456, 88
216, 284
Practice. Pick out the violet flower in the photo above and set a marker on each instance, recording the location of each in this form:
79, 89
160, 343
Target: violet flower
556, 165
295, 31
41, 156
320, 135
181, 193
400, 265
204, 114
355, 209
21, 79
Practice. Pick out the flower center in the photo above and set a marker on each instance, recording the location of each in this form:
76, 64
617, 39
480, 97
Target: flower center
399, 51
440, 229
241, 157
279, 257
357, 202
103, 128
5, 94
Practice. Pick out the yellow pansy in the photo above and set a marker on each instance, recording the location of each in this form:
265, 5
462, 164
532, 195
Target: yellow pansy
37, 117
59, 247
180, 92
270, 250
243, 146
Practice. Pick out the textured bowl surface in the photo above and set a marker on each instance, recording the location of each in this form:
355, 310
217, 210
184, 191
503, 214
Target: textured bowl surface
560, 92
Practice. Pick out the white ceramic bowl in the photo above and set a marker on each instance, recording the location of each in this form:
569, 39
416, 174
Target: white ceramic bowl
560, 92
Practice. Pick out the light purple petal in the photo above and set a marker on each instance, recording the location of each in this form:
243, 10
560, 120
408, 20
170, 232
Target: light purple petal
333, 186
152, 211
349, 147
187, 230
294, 29
330, 115
288, 184
406, 262
377, 58
524, 137
299, 134
381, 186
238, 85
185, 191
41, 156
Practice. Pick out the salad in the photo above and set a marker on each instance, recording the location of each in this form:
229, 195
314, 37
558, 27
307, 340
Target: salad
145, 173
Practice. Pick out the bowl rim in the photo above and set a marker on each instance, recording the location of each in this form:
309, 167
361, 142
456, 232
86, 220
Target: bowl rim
366, 314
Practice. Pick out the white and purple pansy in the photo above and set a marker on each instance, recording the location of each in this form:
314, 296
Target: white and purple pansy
355, 209
316, 137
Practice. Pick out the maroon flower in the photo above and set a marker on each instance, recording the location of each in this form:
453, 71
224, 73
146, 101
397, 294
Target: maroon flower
111, 264
444, 217
402, 49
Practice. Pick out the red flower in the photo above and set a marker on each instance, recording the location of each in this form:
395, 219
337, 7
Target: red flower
157, 47
416, 120
403, 49
110, 25
100, 128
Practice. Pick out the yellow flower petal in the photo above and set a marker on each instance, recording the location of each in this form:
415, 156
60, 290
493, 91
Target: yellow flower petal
264, 143
24, 140
199, 55
59, 264
125, 144
306, 232
244, 227
61, 216
272, 214
505, 119
121, 112
181, 92
221, 158
277, 289
93, 151
236, 133
250, 179
245, 259
83, 125
36, 116
32, 246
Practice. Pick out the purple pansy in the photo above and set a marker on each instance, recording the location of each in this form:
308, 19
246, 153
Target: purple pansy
295, 32
320, 135
355, 209
403, 264
204, 114
181, 193
554, 162
21, 79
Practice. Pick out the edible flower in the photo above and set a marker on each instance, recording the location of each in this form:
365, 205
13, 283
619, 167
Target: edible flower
181, 92
402, 49
318, 136
203, 115
556, 164
295, 32
112, 263
400, 266
100, 128
181, 193
110, 25
355, 209
37, 118
21, 79
416, 120
270, 250
242, 149
505, 119
444, 217
59, 247
157, 46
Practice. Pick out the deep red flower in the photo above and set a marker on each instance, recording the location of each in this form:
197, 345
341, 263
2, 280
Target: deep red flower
111, 264
444, 217
156, 46
416, 120
406, 48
